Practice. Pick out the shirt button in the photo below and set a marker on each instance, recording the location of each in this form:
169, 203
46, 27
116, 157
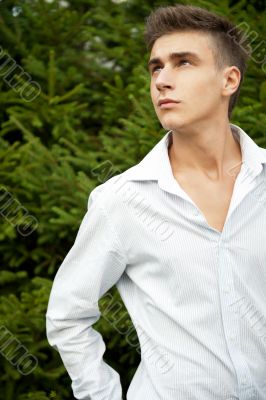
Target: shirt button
244, 381
226, 289
232, 337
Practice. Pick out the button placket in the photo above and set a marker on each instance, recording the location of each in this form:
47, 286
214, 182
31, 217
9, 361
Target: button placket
230, 319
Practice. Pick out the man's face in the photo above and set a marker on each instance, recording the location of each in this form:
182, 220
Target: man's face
192, 80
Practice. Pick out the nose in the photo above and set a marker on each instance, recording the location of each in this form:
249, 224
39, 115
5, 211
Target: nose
164, 79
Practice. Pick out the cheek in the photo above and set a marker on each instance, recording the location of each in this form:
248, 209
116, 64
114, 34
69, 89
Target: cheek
203, 97
206, 87
153, 93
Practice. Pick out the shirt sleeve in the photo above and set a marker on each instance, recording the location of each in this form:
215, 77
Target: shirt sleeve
93, 265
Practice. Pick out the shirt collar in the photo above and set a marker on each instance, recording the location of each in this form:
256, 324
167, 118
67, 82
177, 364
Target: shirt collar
156, 164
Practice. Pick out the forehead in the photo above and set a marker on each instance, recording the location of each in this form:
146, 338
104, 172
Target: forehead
196, 42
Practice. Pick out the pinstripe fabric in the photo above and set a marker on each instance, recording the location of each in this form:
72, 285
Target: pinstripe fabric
196, 296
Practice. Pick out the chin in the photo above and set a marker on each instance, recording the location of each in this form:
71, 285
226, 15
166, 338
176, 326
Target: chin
172, 124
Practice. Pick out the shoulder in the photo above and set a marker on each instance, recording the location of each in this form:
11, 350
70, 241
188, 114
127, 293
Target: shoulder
107, 194
263, 152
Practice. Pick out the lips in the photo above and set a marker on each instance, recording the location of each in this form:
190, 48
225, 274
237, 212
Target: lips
166, 101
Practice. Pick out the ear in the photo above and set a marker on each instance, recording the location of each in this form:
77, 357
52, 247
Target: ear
231, 80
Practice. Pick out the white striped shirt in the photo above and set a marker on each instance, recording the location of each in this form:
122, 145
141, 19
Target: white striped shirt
196, 296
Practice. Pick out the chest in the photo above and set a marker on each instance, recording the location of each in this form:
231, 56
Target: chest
167, 246
212, 198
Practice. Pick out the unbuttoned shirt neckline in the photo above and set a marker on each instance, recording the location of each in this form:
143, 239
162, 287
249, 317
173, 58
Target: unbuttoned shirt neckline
156, 166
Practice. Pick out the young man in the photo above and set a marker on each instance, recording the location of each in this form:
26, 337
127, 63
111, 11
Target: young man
181, 234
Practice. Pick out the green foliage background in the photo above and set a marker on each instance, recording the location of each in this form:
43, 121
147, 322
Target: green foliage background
93, 119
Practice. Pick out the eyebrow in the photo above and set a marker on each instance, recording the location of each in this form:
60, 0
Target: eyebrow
174, 56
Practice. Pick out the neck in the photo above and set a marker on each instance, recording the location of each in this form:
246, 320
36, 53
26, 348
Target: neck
210, 152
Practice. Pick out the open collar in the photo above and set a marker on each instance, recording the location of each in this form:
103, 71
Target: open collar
156, 164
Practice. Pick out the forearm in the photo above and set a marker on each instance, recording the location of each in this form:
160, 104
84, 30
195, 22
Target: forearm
81, 348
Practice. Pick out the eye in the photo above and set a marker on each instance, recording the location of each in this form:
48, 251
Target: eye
155, 68
184, 60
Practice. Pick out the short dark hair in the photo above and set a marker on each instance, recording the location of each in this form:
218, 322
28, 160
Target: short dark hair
230, 45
